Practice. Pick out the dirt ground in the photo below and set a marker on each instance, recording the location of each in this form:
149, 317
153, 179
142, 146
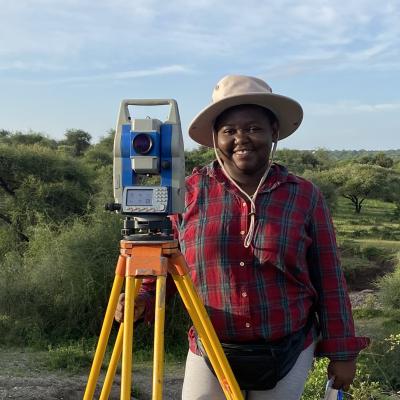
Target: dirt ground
23, 375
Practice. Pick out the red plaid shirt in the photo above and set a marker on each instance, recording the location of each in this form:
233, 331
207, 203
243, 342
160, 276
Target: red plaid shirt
267, 290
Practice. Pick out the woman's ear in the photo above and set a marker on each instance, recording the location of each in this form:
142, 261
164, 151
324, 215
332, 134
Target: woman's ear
275, 132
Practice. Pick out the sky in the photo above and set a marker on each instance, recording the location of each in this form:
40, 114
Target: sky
68, 64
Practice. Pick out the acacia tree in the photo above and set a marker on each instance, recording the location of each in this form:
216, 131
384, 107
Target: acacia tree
78, 140
358, 182
380, 159
328, 189
39, 184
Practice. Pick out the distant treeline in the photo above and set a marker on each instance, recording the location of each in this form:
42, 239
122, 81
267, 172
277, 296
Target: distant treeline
349, 154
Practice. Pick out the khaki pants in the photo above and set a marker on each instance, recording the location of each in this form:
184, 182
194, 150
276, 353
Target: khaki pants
201, 384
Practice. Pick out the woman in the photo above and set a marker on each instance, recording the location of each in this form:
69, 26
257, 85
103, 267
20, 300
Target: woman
261, 249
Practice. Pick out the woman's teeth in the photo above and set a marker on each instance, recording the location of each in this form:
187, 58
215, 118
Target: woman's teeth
242, 151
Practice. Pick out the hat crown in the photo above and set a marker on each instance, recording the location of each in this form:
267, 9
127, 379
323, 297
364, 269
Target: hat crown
238, 85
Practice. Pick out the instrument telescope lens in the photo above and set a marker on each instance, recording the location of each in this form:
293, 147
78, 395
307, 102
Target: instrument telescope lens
142, 143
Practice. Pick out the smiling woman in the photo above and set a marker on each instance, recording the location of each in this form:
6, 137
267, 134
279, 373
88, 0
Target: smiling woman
261, 250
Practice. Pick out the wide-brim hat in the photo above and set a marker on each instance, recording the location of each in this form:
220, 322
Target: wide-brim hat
235, 90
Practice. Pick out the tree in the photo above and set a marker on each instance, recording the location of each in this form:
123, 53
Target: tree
29, 138
38, 184
327, 187
78, 139
101, 154
297, 161
358, 182
380, 159
4, 133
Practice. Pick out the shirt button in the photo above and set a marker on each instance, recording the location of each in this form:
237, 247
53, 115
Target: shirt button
244, 204
248, 325
241, 263
242, 232
244, 294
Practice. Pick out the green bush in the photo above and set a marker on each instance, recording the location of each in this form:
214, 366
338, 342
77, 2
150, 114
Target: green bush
62, 282
363, 388
349, 248
381, 361
327, 188
389, 288
59, 289
315, 385
374, 253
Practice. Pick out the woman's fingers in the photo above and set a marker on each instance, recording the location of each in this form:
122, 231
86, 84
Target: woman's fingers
139, 308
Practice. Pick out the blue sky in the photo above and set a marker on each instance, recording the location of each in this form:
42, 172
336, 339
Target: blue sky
68, 64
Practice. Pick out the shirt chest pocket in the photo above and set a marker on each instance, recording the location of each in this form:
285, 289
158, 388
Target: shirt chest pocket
281, 244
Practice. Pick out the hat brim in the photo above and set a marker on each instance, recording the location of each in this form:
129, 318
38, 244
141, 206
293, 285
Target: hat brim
288, 112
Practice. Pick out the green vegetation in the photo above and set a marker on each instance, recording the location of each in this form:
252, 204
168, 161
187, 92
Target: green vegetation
58, 250
389, 286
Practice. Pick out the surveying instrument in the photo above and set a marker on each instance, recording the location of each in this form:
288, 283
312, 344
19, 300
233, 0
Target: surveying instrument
153, 148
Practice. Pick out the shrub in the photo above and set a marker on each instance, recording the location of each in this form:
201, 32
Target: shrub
389, 288
59, 289
374, 253
328, 189
315, 385
349, 247
389, 234
363, 387
359, 233
381, 362
62, 282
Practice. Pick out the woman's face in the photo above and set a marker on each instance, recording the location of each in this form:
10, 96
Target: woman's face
244, 137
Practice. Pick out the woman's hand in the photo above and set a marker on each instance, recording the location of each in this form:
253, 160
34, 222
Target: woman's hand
139, 308
343, 372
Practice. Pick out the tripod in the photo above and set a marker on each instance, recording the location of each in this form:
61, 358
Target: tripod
154, 258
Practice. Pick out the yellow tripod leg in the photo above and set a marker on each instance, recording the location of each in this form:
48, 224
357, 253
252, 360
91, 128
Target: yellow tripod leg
158, 362
211, 343
112, 367
105, 332
126, 376
116, 354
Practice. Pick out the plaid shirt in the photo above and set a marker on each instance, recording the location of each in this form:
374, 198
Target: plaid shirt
265, 291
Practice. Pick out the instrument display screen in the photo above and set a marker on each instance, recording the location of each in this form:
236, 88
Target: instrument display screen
139, 197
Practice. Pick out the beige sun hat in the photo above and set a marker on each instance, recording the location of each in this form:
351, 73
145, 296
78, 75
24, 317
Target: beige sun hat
234, 90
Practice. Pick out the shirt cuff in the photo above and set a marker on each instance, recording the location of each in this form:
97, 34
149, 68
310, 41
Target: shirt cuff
341, 349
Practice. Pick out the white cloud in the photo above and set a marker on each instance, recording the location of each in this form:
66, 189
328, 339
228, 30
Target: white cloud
349, 108
34, 66
123, 75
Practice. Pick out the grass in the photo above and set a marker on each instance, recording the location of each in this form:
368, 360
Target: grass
392, 246
368, 242
374, 226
